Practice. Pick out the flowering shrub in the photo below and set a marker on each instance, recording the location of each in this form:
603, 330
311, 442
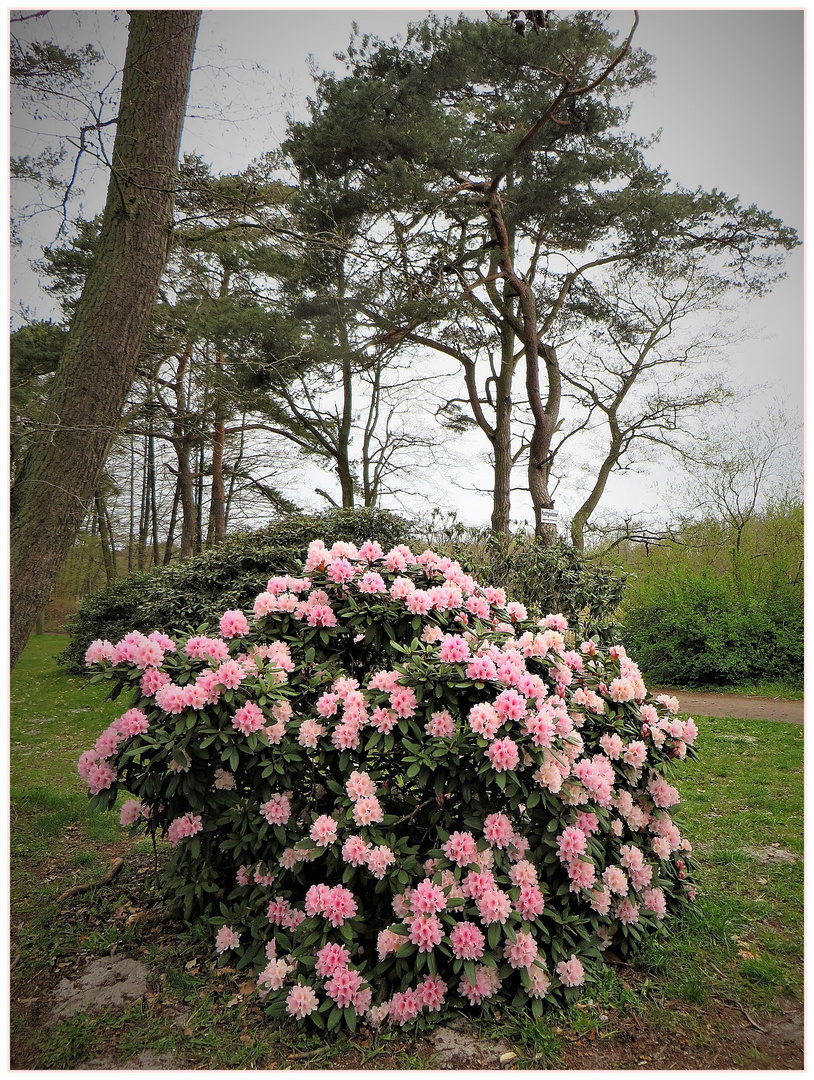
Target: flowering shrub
390, 791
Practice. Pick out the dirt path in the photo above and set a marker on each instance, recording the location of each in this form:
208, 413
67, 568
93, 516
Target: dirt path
741, 708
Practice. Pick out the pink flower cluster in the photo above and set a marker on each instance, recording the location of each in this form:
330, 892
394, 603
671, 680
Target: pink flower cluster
337, 904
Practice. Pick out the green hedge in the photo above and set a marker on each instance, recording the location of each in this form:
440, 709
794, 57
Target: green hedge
545, 579
183, 595
710, 629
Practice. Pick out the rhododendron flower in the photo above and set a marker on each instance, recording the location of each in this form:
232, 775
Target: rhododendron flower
404, 1007
426, 932
367, 810
581, 874
522, 952
655, 902
360, 786
226, 939
523, 873
431, 634
224, 780
323, 831
663, 794
248, 718
234, 624
571, 972
301, 1001
340, 905
432, 992
616, 880
530, 903
403, 701
272, 977
183, 827
510, 705
383, 719
330, 959
130, 812
321, 615
378, 860
670, 703
355, 851
612, 745
467, 941
454, 649
98, 650
460, 848
341, 571
600, 899
493, 906
371, 582
440, 725
503, 754
626, 912
487, 983
427, 898
343, 986
277, 810
310, 732
498, 830
483, 720
571, 842
230, 674
635, 754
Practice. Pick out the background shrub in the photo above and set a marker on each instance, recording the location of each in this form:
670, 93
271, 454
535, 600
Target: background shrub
585, 589
708, 629
183, 595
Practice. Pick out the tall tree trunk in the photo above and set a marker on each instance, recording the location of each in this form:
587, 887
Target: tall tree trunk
236, 468
218, 497
153, 501
343, 466
131, 540
61, 469
144, 512
199, 494
545, 423
189, 508
171, 527
108, 552
583, 514
217, 510
502, 439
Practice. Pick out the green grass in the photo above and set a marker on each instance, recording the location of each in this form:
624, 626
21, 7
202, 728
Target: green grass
740, 942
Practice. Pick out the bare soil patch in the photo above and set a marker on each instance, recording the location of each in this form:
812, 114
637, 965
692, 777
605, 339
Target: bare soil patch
778, 710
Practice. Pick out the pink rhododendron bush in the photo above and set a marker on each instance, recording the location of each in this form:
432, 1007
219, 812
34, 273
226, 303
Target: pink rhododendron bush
390, 791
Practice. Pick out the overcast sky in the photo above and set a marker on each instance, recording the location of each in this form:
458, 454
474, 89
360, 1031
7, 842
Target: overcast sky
728, 100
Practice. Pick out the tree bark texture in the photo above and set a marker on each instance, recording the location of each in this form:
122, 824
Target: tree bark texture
62, 467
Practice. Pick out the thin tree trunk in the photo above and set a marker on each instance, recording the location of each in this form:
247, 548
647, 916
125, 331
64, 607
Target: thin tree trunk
132, 536
502, 439
108, 555
153, 502
343, 467
189, 509
218, 496
144, 513
61, 469
199, 494
171, 528
235, 468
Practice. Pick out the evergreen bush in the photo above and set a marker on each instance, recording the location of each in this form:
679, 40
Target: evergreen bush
183, 595
710, 629
389, 791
